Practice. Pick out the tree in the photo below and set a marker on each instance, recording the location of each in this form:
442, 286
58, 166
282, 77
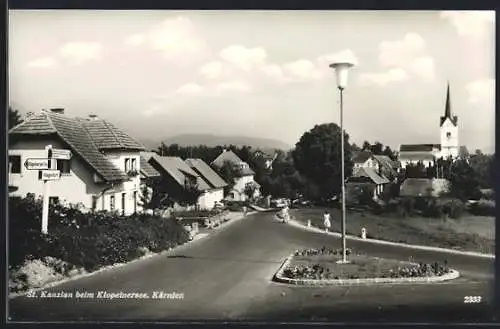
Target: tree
189, 195
317, 157
377, 148
464, 183
366, 146
390, 153
152, 199
482, 164
14, 117
229, 172
250, 189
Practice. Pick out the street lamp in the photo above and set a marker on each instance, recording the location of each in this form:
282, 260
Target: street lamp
341, 72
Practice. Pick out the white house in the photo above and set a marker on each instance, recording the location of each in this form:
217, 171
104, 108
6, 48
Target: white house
102, 174
367, 176
177, 175
449, 146
382, 164
215, 194
237, 192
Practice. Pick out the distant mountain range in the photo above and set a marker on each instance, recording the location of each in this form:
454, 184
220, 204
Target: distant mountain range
214, 140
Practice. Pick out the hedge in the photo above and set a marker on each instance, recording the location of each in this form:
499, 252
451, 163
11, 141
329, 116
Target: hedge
88, 240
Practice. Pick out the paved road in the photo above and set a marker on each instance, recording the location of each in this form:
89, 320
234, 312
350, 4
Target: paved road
227, 276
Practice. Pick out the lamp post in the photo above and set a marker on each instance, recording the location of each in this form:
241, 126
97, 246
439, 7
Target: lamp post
341, 72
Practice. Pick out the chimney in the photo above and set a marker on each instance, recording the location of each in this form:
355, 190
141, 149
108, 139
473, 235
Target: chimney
57, 110
93, 116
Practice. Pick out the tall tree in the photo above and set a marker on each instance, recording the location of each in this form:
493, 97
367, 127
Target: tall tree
152, 199
464, 183
14, 117
482, 164
377, 148
366, 146
317, 157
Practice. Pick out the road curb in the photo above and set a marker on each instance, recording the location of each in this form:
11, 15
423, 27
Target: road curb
390, 243
279, 277
196, 238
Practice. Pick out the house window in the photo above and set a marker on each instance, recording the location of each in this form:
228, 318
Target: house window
64, 166
448, 134
15, 164
127, 163
112, 203
133, 164
123, 203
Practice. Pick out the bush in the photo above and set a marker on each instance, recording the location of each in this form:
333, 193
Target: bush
483, 208
89, 240
454, 208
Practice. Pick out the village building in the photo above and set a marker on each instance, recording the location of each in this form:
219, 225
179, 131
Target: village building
179, 178
427, 154
267, 158
247, 176
102, 174
383, 165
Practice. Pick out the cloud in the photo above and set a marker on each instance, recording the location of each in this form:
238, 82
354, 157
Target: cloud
190, 89
384, 78
345, 55
231, 86
244, 58
176, 39
43, 62
471, 23
424, 67
80, 52
135, 40
399, 52
481, 91
216, 70
302, 70
401, 58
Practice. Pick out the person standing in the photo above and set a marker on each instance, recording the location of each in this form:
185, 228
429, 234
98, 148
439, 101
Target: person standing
245, 211
327, 221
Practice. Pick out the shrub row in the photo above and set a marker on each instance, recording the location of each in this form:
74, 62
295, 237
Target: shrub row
321, 251
88, 240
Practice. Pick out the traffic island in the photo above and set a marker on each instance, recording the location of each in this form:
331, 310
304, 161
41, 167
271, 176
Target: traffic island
317, 267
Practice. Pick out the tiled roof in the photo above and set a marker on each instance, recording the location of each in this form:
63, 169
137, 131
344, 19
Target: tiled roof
147, 170
371, 174
233, 158
107, 137
362, 156
419, 147
416, 187
206, 173
72, 132
387, 162
415, 156
178, 169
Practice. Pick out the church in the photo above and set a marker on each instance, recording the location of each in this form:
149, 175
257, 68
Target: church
449, 146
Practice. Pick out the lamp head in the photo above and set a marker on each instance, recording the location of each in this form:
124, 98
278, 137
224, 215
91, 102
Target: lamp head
341, 72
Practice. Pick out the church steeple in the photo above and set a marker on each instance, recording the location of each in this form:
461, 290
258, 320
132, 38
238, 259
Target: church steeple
447, 109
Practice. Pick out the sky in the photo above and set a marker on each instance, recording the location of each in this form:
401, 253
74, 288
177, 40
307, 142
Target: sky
259, 73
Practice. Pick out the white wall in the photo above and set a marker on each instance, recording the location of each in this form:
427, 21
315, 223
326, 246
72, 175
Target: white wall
77, 187
241, 182
207, 199
404, 163
449, 145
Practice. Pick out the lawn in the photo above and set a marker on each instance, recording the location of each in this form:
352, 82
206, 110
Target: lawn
470, 233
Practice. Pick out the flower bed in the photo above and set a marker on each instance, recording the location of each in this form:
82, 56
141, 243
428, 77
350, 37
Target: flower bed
321, 264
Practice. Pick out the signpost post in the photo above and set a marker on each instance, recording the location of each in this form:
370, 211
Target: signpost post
46, 193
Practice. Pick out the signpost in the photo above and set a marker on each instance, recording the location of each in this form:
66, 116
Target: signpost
60, 154
47, 174
36, 164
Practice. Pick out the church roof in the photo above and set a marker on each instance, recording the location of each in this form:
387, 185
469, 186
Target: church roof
419, 147
447, 110
415, 156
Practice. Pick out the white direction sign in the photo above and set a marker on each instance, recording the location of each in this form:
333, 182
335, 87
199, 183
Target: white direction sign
51, 174
61, 154
36, 164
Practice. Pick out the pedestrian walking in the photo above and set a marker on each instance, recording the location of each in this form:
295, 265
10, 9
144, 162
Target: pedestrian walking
244, 211
327, 221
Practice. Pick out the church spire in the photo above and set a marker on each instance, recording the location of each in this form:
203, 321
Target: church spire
447, 109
